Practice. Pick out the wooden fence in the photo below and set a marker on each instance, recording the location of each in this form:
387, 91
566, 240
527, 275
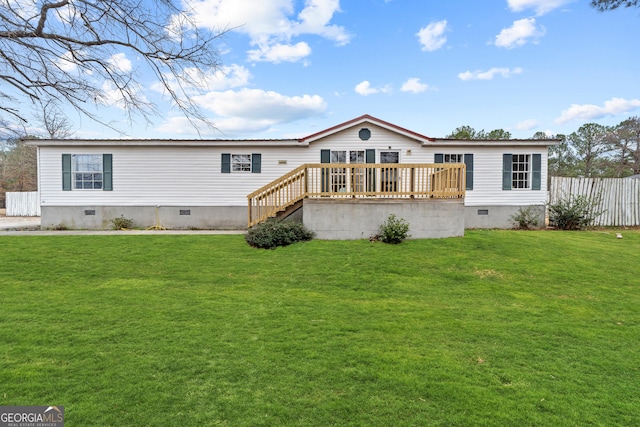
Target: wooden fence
23, 204
618, 198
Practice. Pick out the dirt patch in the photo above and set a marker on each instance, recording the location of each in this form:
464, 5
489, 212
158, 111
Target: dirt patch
483, 274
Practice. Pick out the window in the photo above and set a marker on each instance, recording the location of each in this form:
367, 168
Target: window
241, 163
87, 172
452, 158
364, 134
521, 171
467, 159
343, 178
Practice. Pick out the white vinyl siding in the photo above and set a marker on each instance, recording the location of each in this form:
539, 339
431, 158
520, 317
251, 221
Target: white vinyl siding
166, 176
175, 175
487, 187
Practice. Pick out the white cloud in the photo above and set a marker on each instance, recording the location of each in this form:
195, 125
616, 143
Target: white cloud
112, 96
364, 88
271, 24
526, 124
540, 6
66, 62
413, 85
224, 128
246, 111
518, 34
280, 53
256, 104
238, 110
586, 112
432, 36
489, 74
119, 63
315, 18
196, 80
180, 125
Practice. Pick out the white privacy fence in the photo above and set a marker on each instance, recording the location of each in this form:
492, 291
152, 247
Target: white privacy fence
618, 198
23, 204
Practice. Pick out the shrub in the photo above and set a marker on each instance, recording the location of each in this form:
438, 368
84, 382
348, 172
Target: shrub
574, 213
525, 218
394, 230
273, 233
121, 223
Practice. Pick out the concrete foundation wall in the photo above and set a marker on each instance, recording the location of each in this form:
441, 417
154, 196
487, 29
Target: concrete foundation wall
174, 217
351, 219
496, 216
329, 218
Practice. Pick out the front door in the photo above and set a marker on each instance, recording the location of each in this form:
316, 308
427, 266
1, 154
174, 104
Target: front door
347, 179
389, 179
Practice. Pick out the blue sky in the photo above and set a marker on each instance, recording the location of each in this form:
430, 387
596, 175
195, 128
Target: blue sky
292, 68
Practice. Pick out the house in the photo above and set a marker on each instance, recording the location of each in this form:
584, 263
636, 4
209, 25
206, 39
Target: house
383, 169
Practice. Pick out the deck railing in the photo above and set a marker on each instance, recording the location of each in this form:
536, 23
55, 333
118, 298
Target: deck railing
368, 180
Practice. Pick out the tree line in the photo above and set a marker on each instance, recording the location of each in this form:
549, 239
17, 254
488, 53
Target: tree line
592, 151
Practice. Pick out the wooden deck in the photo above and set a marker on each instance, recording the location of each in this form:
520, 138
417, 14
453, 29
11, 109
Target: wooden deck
367, 180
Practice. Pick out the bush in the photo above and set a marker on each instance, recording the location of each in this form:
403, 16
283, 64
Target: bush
574, 213
273, 233
394, 230
525, 218
121, 223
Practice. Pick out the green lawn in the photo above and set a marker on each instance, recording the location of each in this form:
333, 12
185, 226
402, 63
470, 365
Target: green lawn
496, 328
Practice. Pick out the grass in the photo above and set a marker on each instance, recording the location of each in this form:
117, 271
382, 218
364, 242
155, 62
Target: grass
496, 328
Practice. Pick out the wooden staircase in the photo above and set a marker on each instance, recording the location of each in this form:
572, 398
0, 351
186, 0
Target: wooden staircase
283, 196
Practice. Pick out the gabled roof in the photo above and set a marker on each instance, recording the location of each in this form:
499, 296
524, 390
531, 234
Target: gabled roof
366, 118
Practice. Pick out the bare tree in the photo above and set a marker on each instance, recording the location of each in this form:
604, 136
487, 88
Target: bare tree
56, 124
18, 162
69, 52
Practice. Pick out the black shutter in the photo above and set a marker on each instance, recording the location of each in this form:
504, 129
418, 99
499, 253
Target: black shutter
66, 172
226, 163
507, 162
107, 172
468, 161
536, 163
370, 157
256, 163
325, 157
